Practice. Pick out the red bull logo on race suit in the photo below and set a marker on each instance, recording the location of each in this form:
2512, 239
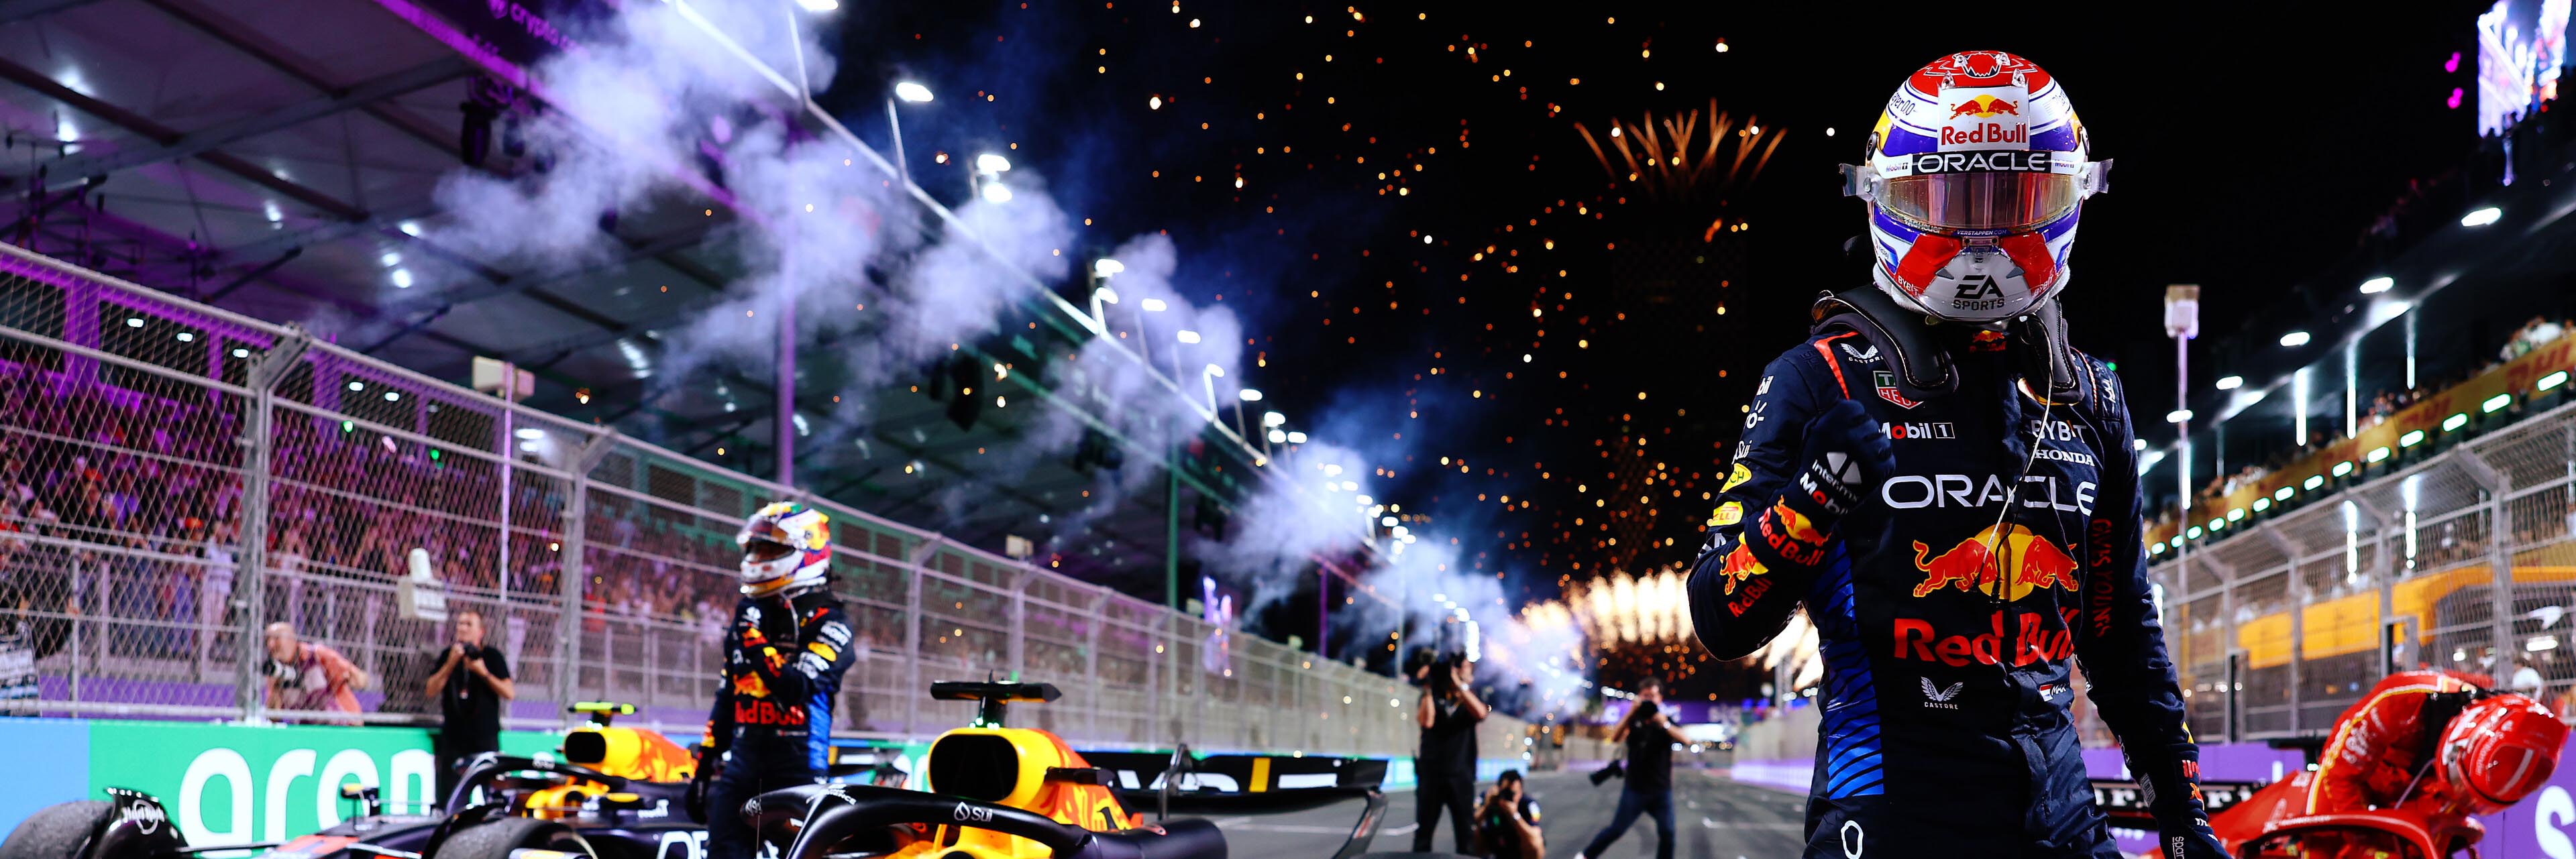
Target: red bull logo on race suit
2023, 561
2033, 642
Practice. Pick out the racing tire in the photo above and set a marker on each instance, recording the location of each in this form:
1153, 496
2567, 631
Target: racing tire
495, 839
59, 831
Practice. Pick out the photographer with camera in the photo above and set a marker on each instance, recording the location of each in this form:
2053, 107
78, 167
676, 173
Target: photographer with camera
1507, 821
1650, 738
470, 685
1445, 767
311, 676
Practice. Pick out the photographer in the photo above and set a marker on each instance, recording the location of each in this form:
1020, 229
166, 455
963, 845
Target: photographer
470, 685
1445, 768
1507, 821
310, 676
1650, 738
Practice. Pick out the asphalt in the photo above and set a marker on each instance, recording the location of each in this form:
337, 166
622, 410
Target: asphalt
1715, 818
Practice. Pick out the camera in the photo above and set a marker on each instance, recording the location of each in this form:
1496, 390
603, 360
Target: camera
1618, 768
1433, 667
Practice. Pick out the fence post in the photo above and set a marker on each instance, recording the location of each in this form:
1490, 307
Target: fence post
258, 437
573, 570
2499, 559
2297, 591
1091, 664
912, 688
1019, 641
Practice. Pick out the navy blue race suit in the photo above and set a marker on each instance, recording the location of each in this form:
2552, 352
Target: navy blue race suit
772, 720
1945, 728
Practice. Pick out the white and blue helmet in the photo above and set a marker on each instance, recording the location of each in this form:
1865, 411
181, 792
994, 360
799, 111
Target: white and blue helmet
1976, 174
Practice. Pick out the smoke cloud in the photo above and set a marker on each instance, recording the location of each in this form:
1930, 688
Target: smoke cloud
655, 115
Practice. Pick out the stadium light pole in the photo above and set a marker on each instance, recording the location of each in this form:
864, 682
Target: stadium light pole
2182, 323
911, 92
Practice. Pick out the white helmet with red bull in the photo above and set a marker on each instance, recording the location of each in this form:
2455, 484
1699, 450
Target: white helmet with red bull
786, 548
1975, 175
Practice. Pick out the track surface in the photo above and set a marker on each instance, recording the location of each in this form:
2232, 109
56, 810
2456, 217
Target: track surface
1715, 818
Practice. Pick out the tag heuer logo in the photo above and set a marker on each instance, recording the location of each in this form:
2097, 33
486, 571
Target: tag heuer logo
1887, 390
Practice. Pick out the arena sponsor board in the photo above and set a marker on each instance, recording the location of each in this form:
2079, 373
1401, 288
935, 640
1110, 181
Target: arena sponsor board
235, 783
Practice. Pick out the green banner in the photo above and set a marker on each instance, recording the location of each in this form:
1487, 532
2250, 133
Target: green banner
229, 784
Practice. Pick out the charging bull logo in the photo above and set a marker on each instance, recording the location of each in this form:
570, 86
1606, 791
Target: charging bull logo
1984, 107
749, 686
2031, 562
1740, 565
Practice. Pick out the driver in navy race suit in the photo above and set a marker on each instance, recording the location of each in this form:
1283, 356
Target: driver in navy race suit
784, 654
1949, 490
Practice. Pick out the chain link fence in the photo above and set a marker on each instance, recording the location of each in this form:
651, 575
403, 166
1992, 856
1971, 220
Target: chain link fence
175, 478
2454, 552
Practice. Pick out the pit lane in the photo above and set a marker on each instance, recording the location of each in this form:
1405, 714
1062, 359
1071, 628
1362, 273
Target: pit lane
1715, 818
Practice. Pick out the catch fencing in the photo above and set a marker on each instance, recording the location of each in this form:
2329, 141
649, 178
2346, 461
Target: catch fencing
175, 477
2451, 554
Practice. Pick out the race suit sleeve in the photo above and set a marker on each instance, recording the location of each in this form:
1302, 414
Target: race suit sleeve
2379, 745
1742, 591
2122, 647
720, 716
794, 665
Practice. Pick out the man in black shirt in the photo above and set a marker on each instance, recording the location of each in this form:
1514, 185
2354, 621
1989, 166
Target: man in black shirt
469, 685
1445, 770
1650, 738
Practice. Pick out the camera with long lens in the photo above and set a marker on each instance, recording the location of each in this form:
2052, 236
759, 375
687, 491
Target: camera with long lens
1434, 667
1618, 768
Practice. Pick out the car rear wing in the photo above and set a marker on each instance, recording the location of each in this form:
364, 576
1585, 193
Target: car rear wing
2125, 803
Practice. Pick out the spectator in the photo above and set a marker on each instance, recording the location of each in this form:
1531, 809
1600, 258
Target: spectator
1507, 821
470, 684
1445, 766
215, 596
1650, 738
310, 676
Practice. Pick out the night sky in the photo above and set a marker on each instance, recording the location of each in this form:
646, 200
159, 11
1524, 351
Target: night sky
1437, 270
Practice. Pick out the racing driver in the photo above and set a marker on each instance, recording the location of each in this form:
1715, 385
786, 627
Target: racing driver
1948, 488
772, 722
2492, 748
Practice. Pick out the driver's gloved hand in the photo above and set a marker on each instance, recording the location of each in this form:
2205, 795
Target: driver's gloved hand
1844, 457
701, 783
2189, 840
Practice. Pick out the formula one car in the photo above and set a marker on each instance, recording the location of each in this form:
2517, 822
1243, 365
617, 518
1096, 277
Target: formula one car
2256, 820
618, 793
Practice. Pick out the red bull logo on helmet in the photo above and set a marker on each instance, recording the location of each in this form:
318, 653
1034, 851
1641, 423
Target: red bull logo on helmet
2012, 564
1984, 107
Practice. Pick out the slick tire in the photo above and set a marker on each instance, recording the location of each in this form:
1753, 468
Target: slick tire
61, 831
495, 839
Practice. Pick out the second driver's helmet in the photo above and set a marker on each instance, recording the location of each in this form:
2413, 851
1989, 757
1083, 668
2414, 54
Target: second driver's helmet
1974, 177
786, 548
2499, 749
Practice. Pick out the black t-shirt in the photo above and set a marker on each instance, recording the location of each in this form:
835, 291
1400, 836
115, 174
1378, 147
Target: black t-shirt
473, 710
1650, 753
1449, 745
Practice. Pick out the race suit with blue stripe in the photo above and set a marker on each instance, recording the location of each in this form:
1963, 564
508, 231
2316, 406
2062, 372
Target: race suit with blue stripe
772, 720
1951, 603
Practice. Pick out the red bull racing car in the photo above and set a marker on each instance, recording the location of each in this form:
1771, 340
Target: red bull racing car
619, 793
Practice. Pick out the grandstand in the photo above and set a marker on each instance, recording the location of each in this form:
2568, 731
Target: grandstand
2391, 481
180, 468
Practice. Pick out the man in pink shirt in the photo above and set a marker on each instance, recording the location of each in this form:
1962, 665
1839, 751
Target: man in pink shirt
308, 676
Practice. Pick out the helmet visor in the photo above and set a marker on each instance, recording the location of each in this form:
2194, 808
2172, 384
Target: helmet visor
1998, 200
762, 550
